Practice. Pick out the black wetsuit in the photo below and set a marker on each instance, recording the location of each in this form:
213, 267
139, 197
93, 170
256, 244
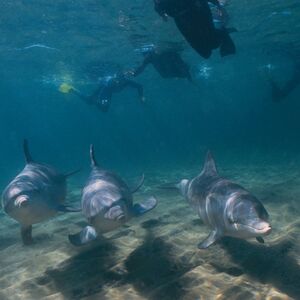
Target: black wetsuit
194, 20
168, 64
103, 95
278, 94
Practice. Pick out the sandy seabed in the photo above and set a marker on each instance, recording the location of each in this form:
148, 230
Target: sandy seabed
156, 257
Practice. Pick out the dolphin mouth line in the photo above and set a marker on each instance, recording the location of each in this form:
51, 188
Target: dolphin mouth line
121, 218
266, 229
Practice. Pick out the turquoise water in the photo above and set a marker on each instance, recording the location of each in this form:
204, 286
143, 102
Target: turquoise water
230, 112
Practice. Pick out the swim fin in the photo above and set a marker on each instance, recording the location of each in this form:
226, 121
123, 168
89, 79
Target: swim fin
227, 46
139, 209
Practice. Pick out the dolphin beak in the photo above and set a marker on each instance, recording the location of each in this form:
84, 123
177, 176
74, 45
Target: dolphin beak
264, 228
268, 230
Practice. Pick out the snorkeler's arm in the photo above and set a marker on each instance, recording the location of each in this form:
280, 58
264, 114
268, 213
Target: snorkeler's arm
85, 98
78, 94
142, 67
138, 87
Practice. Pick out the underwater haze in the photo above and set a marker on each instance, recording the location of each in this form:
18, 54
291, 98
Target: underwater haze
228, 110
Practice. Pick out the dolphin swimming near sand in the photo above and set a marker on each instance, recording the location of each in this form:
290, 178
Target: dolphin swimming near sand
107, 203
35, 195
226, 207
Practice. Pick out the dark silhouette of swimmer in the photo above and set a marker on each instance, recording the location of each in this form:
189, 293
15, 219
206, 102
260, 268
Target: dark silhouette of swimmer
102, 97
278, 94
195, 21
167, 62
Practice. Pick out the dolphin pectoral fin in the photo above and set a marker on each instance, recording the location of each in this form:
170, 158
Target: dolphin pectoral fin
67, 175
140, 184
211, 239
26, 234
67, 208
260, 240
85, 236
142, 208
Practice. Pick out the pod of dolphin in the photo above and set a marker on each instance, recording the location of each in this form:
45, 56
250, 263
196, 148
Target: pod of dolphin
38, 193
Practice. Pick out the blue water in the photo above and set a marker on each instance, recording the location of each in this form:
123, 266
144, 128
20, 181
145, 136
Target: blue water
44, 44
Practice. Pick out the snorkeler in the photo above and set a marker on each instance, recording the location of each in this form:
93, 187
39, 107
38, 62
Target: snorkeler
103, 95
278, 94
195, 20
167, 62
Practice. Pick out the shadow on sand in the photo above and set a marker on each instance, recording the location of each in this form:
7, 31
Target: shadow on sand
154, 272
151, 269
84, 274
273, 265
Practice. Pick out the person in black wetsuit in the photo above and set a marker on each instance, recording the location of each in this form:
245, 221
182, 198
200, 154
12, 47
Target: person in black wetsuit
167, 62
109, 85
278, 94
194, 20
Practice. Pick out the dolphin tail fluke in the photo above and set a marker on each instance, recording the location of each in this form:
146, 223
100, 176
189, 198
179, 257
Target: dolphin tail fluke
211, 239
26, 234
144, 207
27, 154
209, 165
140, 184
92, 156
87, 235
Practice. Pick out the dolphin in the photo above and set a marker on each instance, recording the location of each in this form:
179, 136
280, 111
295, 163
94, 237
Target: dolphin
226, 207
35, 195
107, 203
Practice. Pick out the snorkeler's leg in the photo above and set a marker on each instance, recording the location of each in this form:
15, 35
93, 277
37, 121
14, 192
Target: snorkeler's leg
277, 92
227, 46
138, 87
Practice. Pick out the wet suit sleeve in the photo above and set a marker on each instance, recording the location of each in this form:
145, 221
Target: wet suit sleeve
138, 87
142, 67
88, 99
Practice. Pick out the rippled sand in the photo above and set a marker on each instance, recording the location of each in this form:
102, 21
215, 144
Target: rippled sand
155, 256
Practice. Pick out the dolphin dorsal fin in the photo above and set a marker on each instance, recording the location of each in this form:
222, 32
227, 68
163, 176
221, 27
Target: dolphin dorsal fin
209, 165
27, 154
92, 157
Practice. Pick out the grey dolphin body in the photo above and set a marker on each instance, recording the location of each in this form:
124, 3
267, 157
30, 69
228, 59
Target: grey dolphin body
107, 203
34, 195
227, 208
